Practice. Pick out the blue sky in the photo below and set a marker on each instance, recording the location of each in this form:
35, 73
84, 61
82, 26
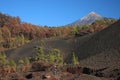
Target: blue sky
58, 12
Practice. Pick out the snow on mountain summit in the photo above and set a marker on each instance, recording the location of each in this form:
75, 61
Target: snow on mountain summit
88, 19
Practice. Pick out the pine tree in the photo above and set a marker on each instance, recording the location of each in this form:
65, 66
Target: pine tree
3, 60
74, 30
40, 53
18, 41
74, 59
21, 62
22, 39
0, 36
55, 56
12, 63
51, 58
42, 43
26, 61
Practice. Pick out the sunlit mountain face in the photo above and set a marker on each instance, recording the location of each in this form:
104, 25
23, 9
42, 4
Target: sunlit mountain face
88, 19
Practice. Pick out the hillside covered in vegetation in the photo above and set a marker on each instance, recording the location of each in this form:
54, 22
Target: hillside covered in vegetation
86, 52
14, 33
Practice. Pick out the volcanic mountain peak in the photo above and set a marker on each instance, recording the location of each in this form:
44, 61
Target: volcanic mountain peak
92, 12
90, 18
92, 15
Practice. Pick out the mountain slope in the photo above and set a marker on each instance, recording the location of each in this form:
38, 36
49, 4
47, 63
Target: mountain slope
102, 49
97, 50
66, 45
90, 18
